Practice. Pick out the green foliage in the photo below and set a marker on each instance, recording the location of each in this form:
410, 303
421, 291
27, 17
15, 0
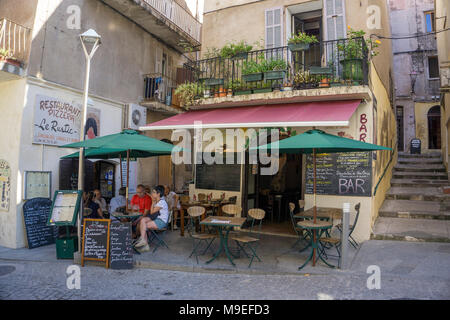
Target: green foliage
5, 53
304, 77
186, 92
273, 65
302, 38
250, 67
354, 47
232, 49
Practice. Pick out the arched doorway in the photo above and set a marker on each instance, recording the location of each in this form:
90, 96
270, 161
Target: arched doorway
434, 127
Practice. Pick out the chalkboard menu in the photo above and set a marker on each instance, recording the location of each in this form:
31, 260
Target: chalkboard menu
95, 240
415, 146
218, 177
343, 174
35, 214
120, 253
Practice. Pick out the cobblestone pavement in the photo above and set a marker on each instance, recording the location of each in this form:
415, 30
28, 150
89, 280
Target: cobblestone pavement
46, 280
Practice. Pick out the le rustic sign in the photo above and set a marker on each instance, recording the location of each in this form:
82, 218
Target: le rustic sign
56, 122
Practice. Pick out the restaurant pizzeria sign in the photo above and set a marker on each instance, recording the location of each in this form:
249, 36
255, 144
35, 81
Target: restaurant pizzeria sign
56, 122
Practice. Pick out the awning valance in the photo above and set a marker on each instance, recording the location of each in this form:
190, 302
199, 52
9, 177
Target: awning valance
318, 114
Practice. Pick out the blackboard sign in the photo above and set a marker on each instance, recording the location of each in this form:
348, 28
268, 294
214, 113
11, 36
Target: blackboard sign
95, 240
415, 146
120, 253
218, 177
343, 174
35, 214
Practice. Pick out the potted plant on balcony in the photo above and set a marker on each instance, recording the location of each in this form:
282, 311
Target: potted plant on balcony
6, 55
187, 92
353, 52
304, 80
274, 69
236, 51
239, 88
301, 41
265, 87
287, 86
251, 71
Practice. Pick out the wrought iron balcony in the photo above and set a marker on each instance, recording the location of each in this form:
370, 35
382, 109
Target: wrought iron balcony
15, 41
324, 64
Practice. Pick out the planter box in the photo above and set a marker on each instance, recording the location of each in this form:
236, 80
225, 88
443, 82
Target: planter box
242, 92
352, 69
213, 82
274, 75
321, 70
252, 77
240, 56
11, 61
65, 247
262, 90
298, 46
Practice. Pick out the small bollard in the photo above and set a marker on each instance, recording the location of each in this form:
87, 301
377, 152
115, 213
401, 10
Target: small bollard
344, 235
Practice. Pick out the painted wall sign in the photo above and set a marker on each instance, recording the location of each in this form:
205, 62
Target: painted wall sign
56, 122
5, 185
362, 127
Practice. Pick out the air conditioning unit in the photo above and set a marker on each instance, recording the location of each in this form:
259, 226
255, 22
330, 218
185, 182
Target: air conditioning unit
136, 116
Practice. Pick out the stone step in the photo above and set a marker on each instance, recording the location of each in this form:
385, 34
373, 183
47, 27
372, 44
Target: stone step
418, 183
411, 230
423, 155
415, 209
411, 193
420, 175
419, 160
420, 167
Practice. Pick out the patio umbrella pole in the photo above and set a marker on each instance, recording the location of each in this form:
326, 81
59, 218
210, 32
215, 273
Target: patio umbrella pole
128, 174
315, 207
121, 174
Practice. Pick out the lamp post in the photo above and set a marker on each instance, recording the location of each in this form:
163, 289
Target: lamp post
90, 41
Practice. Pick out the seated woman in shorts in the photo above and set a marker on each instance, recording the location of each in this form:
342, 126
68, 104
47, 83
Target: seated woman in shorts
157, 219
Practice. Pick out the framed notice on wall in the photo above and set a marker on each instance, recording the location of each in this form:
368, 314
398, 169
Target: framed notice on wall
65, 206
38, 184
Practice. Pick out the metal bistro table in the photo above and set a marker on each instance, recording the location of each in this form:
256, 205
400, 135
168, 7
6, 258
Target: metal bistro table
224, 225
214, 204
315, 231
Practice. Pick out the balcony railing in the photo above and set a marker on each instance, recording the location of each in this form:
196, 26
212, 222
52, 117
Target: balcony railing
329, 63
178, 15
15, 39
158, 88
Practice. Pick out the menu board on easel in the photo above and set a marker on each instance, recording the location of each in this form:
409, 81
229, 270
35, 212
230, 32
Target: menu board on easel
96, 236
65, 206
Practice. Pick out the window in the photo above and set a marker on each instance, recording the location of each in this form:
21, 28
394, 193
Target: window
273, 28
433, 67
430, 25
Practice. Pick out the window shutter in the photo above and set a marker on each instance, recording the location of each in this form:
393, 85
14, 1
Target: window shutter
335, 19
273, 28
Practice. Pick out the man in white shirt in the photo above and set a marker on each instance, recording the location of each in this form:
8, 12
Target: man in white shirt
118, 201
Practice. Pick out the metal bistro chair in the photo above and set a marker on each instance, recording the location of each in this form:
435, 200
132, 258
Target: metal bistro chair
232, 209
351, 240
195, 214
336, 242
251, 241
298, 230
155, 235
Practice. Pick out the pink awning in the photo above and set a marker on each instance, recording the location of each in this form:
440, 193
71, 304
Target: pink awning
319, 114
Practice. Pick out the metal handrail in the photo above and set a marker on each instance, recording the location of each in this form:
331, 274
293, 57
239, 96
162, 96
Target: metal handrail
15, 39
178, 15
385, 170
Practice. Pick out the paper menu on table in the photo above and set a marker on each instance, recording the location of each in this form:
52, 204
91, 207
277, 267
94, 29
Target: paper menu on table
220, 221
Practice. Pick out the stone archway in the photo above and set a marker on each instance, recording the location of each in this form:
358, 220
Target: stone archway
434, 127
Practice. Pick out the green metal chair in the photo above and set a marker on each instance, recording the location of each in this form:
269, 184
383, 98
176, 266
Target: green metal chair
156, 235
297, 229
251, 241
198, 238
351, 240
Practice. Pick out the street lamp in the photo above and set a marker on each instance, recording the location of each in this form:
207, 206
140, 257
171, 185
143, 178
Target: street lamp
90, 41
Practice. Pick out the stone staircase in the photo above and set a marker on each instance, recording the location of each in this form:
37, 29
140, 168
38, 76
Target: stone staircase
416, 208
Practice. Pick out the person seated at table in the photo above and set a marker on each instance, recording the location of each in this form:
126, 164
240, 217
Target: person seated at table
143, 202
173, 202
118, 201
157, 219
89, 202
148, 191
100, 200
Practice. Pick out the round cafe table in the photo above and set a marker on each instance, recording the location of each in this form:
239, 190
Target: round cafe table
315, 232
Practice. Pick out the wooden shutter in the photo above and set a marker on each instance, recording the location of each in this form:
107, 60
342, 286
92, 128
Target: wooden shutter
335, 19
274, 29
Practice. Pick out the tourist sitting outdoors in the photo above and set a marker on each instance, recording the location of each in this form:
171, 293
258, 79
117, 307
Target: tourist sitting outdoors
89, 202
118, 201
157, 219
100, 200
141, 202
